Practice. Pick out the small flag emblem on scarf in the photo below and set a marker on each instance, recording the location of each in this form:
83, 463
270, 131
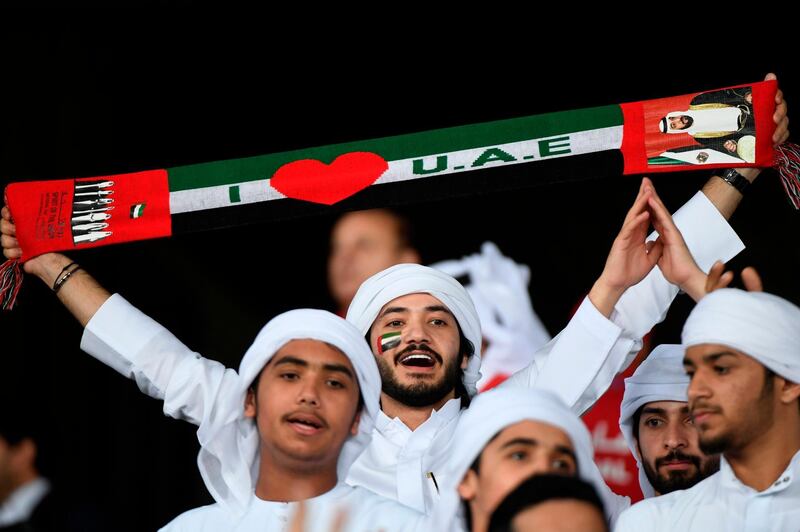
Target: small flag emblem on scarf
388, 341
137, 210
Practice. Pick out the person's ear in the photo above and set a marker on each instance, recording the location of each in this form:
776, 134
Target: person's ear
468, 487
250, 404
789, 391
354, 426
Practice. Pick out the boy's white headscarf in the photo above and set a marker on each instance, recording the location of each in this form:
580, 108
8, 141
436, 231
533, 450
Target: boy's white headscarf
229, 455
497, 409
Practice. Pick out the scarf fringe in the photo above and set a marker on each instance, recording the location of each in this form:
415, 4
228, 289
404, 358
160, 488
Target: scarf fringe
10, 282
788, 165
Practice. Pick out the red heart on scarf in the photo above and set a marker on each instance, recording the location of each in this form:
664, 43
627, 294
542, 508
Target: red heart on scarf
312, 180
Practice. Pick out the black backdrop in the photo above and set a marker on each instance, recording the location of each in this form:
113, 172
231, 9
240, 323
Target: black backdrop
81, 100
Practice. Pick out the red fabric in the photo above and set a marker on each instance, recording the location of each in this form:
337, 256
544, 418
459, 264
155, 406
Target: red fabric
312, 180
764, 105
497, 380
47, 209
633, 137
612, 455
642, 137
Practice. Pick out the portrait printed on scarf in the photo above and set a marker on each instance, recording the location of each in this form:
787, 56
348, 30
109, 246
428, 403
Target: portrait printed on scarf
715, 127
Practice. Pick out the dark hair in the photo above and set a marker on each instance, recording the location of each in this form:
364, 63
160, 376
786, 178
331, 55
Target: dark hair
405, 231
538, 489
475, 466
19, 423
637, 416
18, 420
465, 350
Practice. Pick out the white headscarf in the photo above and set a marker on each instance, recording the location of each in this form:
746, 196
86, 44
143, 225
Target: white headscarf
405, 279
499, 288
763, 326
659, 378
719, 120
497, 409
229, 456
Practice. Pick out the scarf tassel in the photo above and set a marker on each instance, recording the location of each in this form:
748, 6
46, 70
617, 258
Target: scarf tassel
788, 165
10, 281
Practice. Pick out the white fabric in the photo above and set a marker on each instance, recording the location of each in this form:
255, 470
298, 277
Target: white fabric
21, 503
499, 288
404, 279
366, 512
228, 458
495, 410
722, 120
579, 364
398, 460
721, 503
659, 378
763, 326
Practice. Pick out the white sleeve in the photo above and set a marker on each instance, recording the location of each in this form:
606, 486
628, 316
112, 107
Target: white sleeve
709, 238
122, 337
578, 364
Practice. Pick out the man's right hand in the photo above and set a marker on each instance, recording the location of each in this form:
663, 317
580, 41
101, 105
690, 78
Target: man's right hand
46, 267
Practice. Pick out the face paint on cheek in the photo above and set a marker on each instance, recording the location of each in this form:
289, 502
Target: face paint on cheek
388, 341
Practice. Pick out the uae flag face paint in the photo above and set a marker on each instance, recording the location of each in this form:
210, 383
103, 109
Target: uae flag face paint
388, 341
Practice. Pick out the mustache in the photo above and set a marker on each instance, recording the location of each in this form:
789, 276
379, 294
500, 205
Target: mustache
678, 455
419, 348
703, 406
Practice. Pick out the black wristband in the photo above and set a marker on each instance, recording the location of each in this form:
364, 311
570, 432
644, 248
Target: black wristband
64, 275
735, 179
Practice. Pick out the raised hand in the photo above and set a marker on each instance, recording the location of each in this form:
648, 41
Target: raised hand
675, 261
717, 279
631, 258
780, 117
45, 266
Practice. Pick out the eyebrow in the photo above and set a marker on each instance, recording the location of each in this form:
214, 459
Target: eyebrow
431, 308
328, 367
531, 442
713, 357
653, 410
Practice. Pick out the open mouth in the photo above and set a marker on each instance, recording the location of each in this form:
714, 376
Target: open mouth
418, 360
305, 424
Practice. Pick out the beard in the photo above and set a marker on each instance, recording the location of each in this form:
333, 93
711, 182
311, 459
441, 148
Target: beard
679, 480
423, 392
717, 444
757, 421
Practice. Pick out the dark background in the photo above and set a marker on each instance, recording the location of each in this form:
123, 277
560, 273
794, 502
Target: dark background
143, 91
